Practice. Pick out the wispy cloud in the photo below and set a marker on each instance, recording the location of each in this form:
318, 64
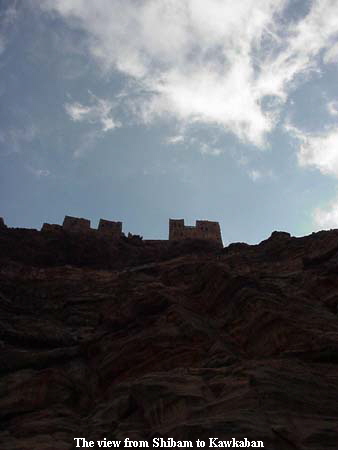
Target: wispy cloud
176, 139
209, 149
319, 151
186, 138
327, 217
213, 64
98, 111
331, 55
86, 143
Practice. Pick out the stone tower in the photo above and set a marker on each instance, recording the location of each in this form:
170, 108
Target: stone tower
204, 229
75, 224
110, 228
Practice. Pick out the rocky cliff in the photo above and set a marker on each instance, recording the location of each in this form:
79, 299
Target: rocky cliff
115, 339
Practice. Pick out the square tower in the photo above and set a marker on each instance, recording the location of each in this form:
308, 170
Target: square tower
75, 224
110, 228
176, 229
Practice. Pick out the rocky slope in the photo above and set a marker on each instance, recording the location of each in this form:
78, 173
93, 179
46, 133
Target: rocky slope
103, 339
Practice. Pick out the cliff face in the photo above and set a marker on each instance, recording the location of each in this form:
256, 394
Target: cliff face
183, 340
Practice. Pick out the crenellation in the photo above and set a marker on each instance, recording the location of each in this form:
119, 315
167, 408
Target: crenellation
51, 227
74, 224
107, 227
203, 229
176, 229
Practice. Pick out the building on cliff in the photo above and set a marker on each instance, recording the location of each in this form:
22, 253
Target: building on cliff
75, 224
178, 231
71, 224
109, 227
204, 229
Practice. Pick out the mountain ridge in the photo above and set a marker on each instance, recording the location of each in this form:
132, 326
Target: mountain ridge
183, 340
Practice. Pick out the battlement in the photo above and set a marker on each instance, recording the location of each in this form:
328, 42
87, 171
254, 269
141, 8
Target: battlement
109, 227
204, 229
75, 224
71, 224
49, 227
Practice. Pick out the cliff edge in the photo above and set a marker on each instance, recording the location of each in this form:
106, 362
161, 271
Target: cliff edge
123, 338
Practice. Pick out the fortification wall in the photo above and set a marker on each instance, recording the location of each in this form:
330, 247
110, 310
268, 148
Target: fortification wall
108, 227
50, 227
75, 224
204, 229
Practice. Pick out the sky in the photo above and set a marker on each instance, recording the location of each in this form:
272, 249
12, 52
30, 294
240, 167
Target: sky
141, 110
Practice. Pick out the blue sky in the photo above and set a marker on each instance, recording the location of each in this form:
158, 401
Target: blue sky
141, 110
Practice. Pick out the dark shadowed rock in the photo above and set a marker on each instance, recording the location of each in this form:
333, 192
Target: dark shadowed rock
128, 338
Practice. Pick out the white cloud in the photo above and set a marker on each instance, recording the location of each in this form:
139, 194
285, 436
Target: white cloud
191, 141
325, 218
109, 124
99, 111
76, 111
319, 151
331, 55
87, 142
212, 62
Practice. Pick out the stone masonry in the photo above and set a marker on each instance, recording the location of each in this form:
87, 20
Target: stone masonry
75, 224
204, 229
71, 224
110, 227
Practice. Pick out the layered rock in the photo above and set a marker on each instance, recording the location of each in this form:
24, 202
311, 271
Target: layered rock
103, 338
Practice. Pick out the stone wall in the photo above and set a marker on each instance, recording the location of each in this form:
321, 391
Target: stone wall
78, 225
204, 229
107, 227
75, 224
51, 227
